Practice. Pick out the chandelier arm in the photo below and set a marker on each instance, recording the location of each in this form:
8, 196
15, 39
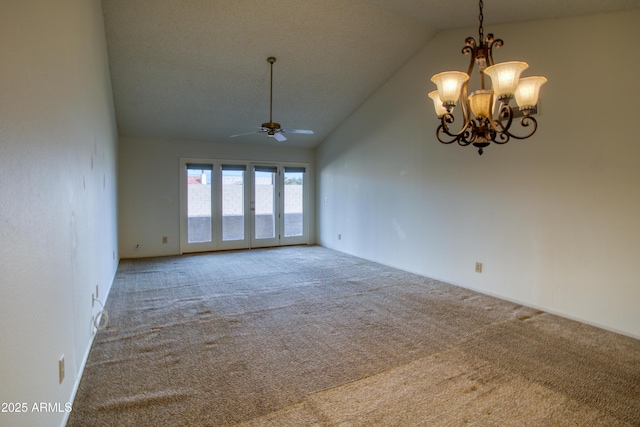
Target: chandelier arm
462, 137
470, 49
439, 132
447, 119
497, 43
499, 133
526, 121
488, 132
464, 104
469, 136
501, 137
504, 113
470, 45
442, 129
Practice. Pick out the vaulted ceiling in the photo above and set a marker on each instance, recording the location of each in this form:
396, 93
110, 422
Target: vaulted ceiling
198, 70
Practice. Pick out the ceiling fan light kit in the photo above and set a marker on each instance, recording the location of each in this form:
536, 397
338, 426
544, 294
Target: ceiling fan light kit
271, 128
479, 126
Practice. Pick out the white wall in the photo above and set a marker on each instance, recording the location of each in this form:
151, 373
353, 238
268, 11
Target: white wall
554, 219
58, 215
149, 194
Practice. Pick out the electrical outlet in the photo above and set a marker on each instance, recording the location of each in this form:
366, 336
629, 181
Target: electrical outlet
165, 239
478, 267
61, 369
339, 236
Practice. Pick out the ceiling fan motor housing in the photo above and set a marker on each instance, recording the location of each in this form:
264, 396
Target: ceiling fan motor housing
271, 126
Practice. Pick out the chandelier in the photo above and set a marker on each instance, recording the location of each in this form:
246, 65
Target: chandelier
479, 126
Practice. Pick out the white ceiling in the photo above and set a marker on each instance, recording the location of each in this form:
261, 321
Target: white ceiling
198, 70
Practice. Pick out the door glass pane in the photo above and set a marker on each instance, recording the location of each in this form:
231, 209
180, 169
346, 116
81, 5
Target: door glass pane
265, 192
293, 184
199, 203
232, 204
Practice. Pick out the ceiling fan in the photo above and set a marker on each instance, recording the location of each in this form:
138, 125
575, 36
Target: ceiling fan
271, 128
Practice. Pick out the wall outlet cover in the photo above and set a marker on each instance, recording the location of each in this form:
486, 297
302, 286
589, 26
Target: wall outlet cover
61, 369
478, 267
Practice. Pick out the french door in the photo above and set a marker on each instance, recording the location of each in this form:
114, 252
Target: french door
265, 199
213, 205
238, 205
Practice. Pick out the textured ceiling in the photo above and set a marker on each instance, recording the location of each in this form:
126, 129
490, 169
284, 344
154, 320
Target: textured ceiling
198, 70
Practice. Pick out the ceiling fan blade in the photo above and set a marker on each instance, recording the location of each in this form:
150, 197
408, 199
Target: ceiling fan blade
279, 137
244, 134
303, 131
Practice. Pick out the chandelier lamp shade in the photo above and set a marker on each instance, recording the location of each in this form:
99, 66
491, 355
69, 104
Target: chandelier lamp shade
481, 124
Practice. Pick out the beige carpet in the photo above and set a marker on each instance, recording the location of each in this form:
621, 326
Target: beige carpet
303, 336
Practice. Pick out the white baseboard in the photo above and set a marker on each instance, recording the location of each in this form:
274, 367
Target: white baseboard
85, 358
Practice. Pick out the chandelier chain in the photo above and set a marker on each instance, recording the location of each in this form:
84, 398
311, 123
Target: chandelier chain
481, 29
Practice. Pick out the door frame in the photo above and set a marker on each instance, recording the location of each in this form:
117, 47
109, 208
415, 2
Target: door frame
244, 243
304, 239
185, 246
271, 241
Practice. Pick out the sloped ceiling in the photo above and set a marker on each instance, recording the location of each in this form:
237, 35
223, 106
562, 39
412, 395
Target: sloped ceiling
198, 70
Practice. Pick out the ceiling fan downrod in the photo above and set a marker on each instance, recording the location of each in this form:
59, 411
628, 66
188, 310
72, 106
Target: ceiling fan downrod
271, 125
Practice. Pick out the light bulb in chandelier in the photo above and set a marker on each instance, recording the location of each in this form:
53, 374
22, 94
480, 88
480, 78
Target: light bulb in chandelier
437, 103
480, 102
528, 91
449, 86
504, 77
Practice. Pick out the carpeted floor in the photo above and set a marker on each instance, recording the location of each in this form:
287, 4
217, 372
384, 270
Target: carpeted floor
302, 336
